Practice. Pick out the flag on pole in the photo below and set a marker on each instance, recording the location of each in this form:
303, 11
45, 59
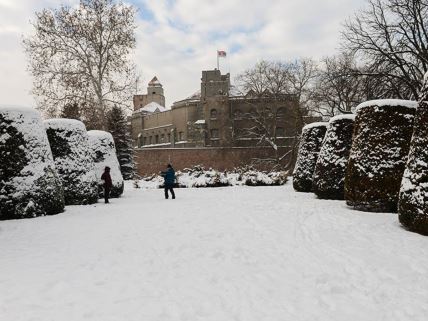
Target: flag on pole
221, 53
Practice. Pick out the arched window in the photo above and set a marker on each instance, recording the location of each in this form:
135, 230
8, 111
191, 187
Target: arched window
214, 133
280, 112
213, 113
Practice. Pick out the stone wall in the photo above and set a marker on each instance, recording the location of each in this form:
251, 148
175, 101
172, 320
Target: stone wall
153, 160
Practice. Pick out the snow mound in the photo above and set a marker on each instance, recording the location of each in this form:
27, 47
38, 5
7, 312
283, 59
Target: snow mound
104, 154
387, 103
330, 169
309, 148
29, 183
315, 124
340, 117
70, 148
378, 156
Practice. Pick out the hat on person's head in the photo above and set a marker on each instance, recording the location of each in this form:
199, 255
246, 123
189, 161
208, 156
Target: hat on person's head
169, 166
107, 168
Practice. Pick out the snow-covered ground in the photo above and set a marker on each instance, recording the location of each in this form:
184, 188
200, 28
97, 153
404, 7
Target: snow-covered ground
233, 253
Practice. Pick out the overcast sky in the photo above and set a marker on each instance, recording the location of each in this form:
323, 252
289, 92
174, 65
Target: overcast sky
179, 38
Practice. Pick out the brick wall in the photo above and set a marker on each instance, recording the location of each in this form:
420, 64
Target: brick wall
154, 160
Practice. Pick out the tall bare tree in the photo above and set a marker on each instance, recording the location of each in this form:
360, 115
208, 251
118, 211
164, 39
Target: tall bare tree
339, 85
80, 55
391, 37
281, 91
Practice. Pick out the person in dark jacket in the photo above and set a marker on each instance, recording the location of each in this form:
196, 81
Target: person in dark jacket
107, 183
169, 177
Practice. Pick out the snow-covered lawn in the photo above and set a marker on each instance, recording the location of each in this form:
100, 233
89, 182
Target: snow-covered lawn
233, 253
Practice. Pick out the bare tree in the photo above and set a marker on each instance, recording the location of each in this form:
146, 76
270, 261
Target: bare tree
277, 95
80, 55
339, 86
391, 37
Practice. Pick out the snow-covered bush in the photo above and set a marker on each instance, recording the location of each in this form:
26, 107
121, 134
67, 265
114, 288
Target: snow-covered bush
70, 148
413, 199
104, 154
330, 169
197, 176
309, 148
29, 183
381, 141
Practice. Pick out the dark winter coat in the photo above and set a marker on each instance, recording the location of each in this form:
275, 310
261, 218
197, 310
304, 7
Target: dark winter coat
169, 177
107, 179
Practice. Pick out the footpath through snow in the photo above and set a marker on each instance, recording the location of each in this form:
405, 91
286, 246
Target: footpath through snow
233, 253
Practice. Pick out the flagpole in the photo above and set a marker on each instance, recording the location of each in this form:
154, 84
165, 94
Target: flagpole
218, 65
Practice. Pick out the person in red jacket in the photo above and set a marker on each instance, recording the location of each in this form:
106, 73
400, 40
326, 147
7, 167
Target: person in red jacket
107, 183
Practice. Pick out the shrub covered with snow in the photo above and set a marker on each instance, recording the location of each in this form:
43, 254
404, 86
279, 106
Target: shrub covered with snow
197, 176
413, 198
29, 183
104, 154
70, 148
309, 148
381, 140
330, 169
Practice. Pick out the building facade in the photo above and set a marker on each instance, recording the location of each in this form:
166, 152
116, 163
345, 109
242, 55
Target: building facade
215, 116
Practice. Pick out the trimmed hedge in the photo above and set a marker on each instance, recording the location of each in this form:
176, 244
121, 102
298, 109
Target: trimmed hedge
103, 154
29, 183
69, 143
330, 169
309, 148
413, 198
381, 141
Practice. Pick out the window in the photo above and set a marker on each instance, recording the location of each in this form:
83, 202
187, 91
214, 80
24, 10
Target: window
150, 140
214, 134
145, 141
213, 114
162, 138
180, 136
157, 139
280, 132
237, 114
280, 113
169, 138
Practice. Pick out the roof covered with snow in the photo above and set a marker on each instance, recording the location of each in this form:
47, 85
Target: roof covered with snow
152, 107
388, 102
155, 82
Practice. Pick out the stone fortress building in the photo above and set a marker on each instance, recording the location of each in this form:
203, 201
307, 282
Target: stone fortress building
215, 116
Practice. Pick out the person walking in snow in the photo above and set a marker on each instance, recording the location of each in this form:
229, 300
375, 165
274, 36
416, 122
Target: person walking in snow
169, 177
107, 183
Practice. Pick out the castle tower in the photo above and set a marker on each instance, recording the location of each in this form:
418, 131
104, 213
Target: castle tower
154, 94
213, 83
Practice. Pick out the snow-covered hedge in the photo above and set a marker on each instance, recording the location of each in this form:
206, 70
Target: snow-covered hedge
381, 140
104, 154
199, 177
330, 169
413, 199
29, 183
309, 148
70, 148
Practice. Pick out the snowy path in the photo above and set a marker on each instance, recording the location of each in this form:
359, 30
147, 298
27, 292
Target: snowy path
241, 253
